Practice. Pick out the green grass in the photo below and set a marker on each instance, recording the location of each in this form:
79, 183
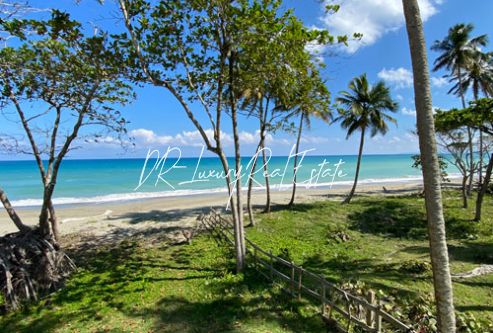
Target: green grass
143, 286
385, 235
137, 287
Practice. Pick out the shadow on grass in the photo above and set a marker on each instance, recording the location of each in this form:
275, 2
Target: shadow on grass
472, 252
369, 271
394, 217
299, 207
388, 217
113, 280
171, 215
249, 300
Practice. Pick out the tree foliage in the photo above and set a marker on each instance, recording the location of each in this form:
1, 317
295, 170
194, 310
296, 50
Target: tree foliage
58, 76
478, 115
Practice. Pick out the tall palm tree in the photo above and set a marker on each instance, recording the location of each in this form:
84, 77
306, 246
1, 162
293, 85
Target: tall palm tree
363, 108
478, 76
457, 49
431, 170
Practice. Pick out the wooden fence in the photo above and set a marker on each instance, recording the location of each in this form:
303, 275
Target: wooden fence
338, 307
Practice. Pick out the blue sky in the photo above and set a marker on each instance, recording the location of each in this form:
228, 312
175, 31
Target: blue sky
157, 121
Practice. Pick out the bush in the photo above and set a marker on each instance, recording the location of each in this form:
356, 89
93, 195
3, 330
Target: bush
415, 267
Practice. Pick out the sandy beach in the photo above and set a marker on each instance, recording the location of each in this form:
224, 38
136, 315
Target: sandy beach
171, 215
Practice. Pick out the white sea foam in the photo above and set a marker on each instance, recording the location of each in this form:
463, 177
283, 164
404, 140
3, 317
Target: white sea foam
180, 193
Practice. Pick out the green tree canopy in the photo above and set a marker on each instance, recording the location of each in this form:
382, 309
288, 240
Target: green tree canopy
478, 115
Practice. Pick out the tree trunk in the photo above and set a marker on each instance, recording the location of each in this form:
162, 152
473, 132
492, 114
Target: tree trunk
267, 181
481, 160
44, 222
481, 151
262, 115
54, 221
12, 213
471, 162
469, 137
236, 139
238, 251
483, 189
431, 170
295, 170
464, 191
250, 186
358, 164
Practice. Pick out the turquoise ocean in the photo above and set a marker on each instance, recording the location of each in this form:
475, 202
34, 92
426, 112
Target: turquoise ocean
112, 180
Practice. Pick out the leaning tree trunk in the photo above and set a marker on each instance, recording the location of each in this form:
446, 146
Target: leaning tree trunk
12, 213
295, 167
483, 189
431, 171
358, 165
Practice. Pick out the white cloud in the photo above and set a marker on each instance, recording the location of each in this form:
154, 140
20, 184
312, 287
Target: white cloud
408, 112
399, 77
314, 139
439, 82
412, 112
185, 138
372, 18
395, 139
410, 136
194, 138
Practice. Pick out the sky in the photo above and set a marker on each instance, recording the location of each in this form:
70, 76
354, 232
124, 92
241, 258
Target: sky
157, 121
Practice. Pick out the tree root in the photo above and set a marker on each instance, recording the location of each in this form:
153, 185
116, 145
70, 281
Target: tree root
31, 264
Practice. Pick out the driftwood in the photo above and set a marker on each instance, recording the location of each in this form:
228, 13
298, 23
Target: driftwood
30, 265
478, 271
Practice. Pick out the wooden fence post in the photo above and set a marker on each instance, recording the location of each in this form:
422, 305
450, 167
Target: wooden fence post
255, 265
300, 274
271, 257
292, 279
370, 314
378, 318
322, 298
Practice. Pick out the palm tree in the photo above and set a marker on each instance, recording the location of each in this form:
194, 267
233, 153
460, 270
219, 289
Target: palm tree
457, 49
478, 75
364, 108
431, 170
311, 99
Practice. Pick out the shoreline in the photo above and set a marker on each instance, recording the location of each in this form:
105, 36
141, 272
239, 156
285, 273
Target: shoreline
180, 212
125, 197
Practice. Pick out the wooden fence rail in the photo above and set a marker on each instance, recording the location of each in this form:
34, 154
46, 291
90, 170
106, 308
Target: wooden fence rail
337, 306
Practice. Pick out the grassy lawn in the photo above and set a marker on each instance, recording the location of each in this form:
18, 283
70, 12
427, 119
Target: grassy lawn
144, 286
138, 287
387, 239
